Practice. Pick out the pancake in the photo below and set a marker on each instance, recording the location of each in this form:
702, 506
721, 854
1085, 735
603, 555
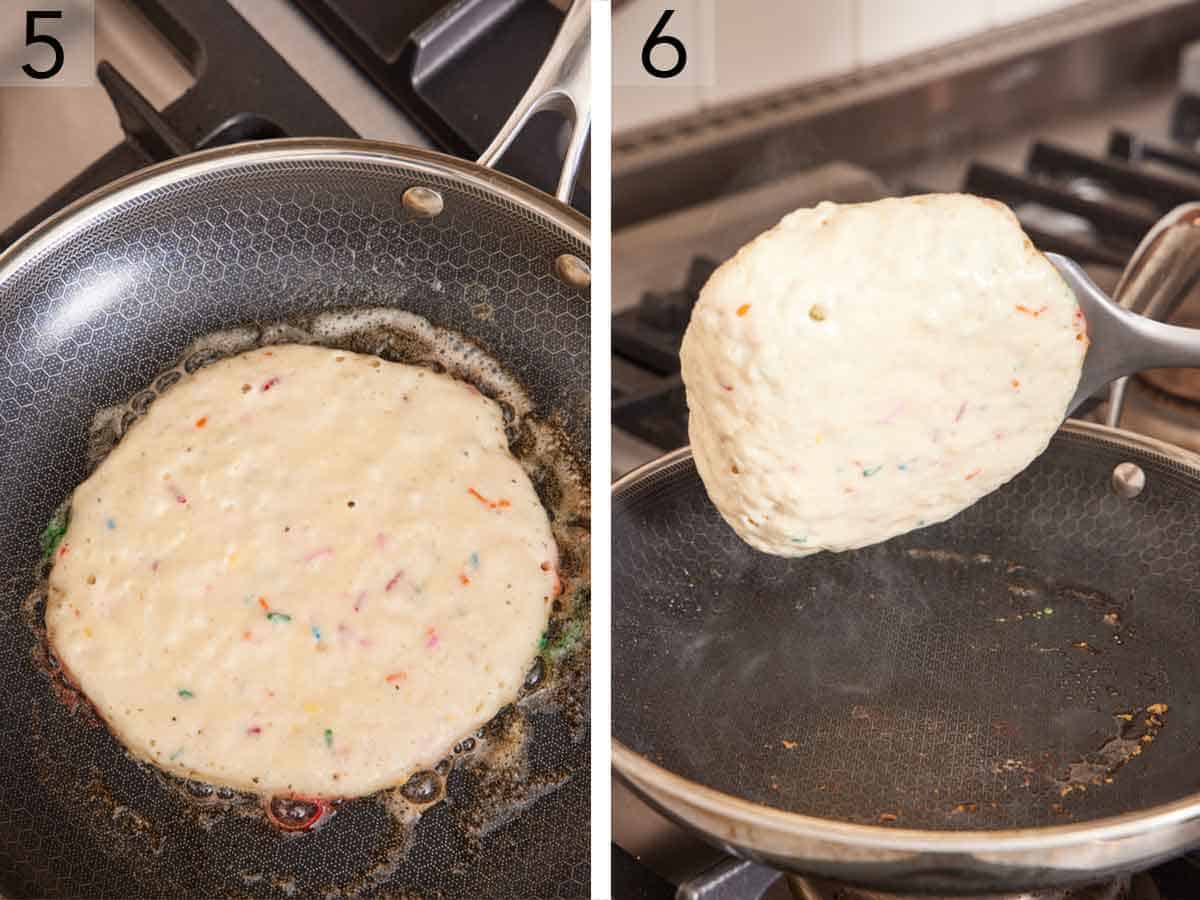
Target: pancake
860, 371
304, 571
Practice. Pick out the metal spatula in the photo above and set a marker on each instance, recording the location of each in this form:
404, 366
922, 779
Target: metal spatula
1122, 342
1162, 272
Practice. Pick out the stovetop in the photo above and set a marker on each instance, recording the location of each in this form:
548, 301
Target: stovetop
457, 69
1087, 185
240, 89
175, 76
1087, 181
714, 876
661, 266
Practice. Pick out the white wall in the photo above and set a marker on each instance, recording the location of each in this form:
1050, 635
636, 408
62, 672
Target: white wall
763, 45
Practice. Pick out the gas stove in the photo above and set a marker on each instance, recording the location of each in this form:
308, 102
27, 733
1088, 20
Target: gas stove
734, 879
1113, 146
176, 76
1087, 183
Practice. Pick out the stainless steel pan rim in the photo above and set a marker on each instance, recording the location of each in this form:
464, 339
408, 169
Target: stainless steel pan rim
65, 222
657, 783
762, 831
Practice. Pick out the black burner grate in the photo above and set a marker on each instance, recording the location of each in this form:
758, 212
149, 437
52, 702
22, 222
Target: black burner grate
1093, 209
458, 69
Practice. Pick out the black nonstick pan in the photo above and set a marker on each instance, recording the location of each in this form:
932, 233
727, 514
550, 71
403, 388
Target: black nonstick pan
1001, 702
265, 240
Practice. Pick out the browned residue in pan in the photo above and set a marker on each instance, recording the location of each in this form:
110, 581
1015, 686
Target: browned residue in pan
44, 660
1083, 630
938, 554
1135, 731
1032, 594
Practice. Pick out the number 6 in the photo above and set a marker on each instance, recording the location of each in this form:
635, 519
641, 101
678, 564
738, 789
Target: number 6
656, 38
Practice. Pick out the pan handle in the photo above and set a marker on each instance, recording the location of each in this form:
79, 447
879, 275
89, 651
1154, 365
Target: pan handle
563, 83
1164, 269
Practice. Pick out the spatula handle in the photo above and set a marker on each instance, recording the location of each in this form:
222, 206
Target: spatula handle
1162, 272
1122, 342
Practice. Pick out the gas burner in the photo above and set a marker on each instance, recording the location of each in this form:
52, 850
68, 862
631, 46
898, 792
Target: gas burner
1119, 889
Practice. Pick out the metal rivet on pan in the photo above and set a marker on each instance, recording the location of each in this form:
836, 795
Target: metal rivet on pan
424, 202
573, 270
1128, 480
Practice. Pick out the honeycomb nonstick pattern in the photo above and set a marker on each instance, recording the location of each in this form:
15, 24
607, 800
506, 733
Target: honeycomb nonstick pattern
93, 319
948, 679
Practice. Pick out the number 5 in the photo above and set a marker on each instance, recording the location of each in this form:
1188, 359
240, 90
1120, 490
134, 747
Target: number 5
656, 38
32, 37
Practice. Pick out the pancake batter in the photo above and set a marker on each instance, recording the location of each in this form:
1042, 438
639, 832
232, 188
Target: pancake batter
304, 571
860, 371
